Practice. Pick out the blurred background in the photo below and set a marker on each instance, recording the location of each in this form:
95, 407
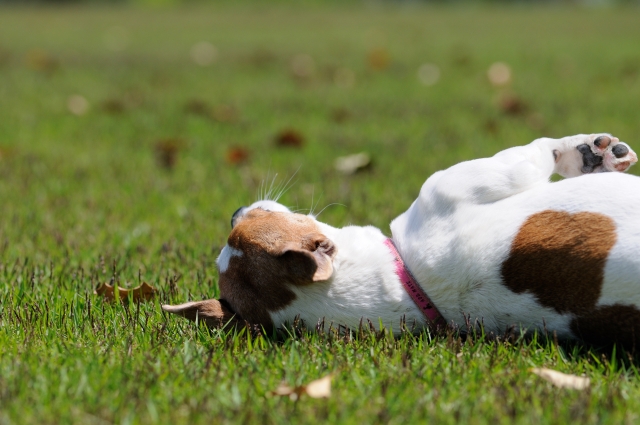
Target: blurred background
131, 130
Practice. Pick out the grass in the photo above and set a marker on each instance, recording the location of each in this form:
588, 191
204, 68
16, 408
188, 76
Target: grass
86, 200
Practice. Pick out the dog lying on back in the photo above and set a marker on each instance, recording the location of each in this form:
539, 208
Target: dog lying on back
490, 240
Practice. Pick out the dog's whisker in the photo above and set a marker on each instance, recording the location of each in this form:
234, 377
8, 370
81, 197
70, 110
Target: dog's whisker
313, 192
314, 205
272, 188
331, 204
288, 185
299, 210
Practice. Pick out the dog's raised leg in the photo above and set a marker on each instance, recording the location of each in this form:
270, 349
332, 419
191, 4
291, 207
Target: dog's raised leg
577, 155
520, 168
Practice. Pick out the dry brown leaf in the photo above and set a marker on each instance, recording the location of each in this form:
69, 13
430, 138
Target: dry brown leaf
39, 60
237, 155
512, 105
197, 107
562, 380
378, 58
144, 292
167, 152
289, 138
6, 152
320, 388
491, 126
340, 115
113, 106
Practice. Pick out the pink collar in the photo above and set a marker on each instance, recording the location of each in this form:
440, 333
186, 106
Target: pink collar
416, 292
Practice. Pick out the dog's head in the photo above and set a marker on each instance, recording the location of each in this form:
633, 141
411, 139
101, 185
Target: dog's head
269, 252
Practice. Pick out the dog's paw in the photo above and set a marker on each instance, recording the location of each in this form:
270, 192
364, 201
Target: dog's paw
603, 152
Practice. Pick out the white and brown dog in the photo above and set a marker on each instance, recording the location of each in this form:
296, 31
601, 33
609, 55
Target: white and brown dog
490, 240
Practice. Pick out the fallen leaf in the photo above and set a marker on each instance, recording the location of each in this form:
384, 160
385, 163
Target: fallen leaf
144, 292
352, 163
378, 58
261, 57
113, 106
491, 126
562, 380
320, 388
167, 152
237, 155
340, 115
40, 60
460, 57
512, 105
289, 138
6, 152
197, 107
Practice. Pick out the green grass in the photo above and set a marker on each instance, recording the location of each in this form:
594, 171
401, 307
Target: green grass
84, 201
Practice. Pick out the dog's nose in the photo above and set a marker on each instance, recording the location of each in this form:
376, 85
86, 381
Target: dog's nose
236, 215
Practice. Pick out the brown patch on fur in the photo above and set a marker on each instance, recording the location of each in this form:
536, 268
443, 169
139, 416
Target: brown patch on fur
616, 323
560, 257
278, 250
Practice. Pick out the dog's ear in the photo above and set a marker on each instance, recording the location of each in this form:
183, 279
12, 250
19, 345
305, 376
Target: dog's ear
215, 313
313, 261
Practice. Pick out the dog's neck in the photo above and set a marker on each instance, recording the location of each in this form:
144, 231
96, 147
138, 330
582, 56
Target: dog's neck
364, 285
415, 291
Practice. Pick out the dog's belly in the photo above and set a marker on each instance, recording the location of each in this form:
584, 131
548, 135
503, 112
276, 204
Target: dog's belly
545, 258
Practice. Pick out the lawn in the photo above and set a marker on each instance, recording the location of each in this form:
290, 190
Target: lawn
129, 136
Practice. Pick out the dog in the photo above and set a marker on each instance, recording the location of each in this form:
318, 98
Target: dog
488, 241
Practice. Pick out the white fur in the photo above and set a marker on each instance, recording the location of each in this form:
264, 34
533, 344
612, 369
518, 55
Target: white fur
225, 256
364, 285
456, 235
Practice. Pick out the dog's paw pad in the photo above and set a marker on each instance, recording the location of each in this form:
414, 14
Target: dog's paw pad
606, 153
590, 159
602, 142
619, 151
619, 157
